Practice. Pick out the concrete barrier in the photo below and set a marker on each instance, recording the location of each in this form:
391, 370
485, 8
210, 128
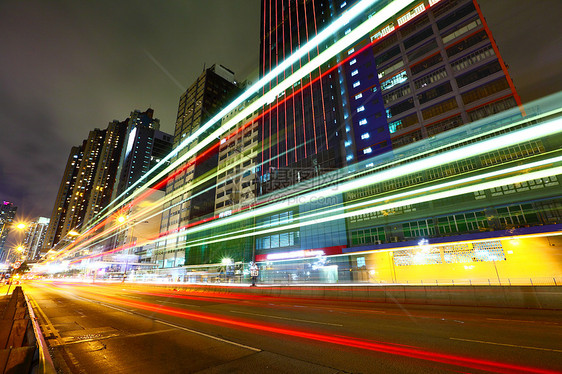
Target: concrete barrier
22, 348
535, 297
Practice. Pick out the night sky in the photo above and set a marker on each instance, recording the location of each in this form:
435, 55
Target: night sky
69, 66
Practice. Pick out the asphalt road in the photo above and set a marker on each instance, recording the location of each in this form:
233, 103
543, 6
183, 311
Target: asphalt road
105, 328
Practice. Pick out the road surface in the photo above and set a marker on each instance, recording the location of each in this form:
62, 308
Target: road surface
111, 328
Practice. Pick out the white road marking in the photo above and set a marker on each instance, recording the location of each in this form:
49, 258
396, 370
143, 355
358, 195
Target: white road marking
179, 327
508, 345
174, 302
209, 336
522, 320
289, 319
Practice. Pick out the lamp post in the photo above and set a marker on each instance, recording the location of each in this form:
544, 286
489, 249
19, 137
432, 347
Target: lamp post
20, 227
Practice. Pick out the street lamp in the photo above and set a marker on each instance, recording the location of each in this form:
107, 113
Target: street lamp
6, 225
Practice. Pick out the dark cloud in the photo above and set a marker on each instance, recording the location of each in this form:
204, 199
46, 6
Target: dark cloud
68, 66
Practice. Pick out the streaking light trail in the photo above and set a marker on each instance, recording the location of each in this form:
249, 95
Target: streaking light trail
269, 97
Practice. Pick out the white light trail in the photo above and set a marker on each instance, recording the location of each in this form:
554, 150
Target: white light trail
373, 22
416, 200
504, 140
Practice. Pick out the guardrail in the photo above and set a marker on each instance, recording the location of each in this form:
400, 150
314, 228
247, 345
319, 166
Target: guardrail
22, 347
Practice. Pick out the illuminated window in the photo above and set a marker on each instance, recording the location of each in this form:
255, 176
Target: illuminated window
349, 158
367, 150
393, 126
354, 72
350, 51
356, 84
358, 96
395, 80
360, 109
365, 136
352, 62
363, 122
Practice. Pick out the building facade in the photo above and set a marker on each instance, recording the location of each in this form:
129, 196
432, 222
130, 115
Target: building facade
430, 68
102, 168
35, 234
7, 215
145, 146
192, 190
62, 202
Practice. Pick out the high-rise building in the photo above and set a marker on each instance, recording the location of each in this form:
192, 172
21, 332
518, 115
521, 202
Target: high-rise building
238, 150
104, 166
34, 238
68, 181
106, 169
7, 215
193, 188
84, 184
237, 183
145, 146
301, 130
430, 68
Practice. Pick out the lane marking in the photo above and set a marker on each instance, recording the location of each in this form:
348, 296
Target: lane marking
524, 321
174, 302
289, 319
209, 336
508, 345
176, 326
336, 308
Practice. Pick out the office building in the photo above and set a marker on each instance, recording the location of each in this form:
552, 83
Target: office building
192, 189
430, 68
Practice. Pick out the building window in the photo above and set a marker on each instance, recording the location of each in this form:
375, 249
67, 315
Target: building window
354, 72
363, 122
395, 80
360, 109
352, 62
356, 84
365, 136
367, 150
358, 96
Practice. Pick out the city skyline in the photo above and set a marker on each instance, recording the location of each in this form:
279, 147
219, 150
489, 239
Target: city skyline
47, 94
